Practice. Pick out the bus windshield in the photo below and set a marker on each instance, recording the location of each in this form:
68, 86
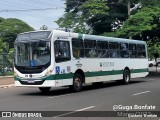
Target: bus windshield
32, 54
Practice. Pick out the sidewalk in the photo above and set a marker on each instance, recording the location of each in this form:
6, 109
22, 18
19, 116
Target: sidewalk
6, 81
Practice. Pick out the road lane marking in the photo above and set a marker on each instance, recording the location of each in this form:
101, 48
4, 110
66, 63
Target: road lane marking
86, 108
141, 93
61, 95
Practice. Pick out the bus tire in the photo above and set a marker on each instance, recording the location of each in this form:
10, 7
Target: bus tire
126, 76
77, 83
44, 89
151, 65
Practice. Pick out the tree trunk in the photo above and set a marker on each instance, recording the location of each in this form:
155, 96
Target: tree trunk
130, 37
129, 12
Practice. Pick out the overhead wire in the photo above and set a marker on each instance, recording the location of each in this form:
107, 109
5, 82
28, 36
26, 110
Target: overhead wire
29, 7
44, 3
17, 5
28, 10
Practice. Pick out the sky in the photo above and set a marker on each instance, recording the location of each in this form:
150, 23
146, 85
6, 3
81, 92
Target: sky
30, 11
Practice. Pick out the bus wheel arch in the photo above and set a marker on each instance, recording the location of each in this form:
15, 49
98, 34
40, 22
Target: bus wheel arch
78, 80
80, 72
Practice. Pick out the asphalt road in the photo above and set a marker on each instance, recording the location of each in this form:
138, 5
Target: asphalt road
142, 92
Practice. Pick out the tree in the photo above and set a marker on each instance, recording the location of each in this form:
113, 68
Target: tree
150, 3
2, 46
107, 13
9, 28
129, 3
73, 21
153, 48
79, 15
142, 25
1, 19
117, 13
72, 18
44, 27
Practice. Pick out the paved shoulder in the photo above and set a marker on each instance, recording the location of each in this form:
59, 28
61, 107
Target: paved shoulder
6, 81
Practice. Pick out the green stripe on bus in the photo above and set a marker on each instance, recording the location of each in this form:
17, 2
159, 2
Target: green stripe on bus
139, 70
103, 73
63, 76
87, 74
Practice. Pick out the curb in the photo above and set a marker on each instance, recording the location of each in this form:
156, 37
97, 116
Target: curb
7, 86
6, 77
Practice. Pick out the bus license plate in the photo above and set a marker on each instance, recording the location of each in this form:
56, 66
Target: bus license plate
31, 81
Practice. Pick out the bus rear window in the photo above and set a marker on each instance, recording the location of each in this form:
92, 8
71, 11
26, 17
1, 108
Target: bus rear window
141, 51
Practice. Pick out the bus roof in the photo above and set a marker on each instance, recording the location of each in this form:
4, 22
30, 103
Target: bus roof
111, 39
99, 38
90, 37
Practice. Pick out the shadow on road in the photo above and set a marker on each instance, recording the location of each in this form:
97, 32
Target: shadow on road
154, 74
65, 90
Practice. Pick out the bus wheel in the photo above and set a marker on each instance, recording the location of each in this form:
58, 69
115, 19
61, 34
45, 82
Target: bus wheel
44, 89
126, 76
77, 83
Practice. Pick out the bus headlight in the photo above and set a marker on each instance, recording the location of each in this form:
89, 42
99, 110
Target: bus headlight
49, 71
15, 74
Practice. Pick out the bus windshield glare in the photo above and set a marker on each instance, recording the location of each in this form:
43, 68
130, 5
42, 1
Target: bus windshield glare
32, 54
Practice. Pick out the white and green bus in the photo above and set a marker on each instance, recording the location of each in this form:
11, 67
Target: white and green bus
54, 58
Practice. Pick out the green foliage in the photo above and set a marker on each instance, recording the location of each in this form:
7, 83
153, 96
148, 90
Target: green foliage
153, 48
74, 21
150, 3
95, 7
1, 19
131, 2
44, 27
145, 25
146, 20
78, 18
99, 17
2, 45
73, 5
9, 28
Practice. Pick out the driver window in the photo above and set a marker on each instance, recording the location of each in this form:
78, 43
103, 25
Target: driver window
62, 51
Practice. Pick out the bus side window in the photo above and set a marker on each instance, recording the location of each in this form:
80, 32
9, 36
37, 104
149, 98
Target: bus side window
132, 50
141, 51
114, 49
90, 48
77, 48
62, 51
102, 49
124, 50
